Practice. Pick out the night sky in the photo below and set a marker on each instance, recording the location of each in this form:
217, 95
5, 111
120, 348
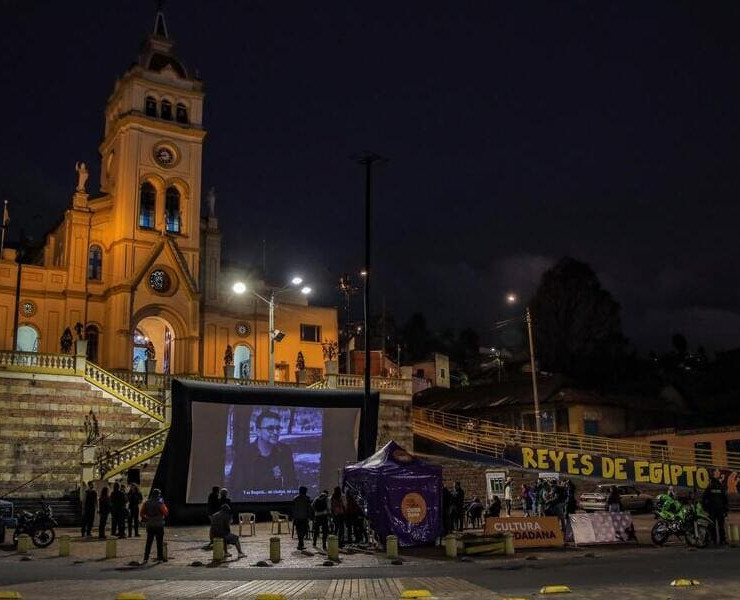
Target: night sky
517, 133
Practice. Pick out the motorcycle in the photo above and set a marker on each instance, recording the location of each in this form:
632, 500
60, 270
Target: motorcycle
39, 526
688, 521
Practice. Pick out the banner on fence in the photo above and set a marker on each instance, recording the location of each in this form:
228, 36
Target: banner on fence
617, 468
601, 528
528, 532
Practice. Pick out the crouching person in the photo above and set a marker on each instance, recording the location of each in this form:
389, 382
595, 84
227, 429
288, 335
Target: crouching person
220, 522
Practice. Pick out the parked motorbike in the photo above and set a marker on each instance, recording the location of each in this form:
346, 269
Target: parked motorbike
39, 526
686, 521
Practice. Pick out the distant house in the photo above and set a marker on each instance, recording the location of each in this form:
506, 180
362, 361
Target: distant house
563, 406
433, 372
380, 364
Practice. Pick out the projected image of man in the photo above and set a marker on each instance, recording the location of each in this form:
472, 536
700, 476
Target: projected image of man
266, 468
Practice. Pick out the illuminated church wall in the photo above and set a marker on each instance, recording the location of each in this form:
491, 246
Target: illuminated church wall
150, 257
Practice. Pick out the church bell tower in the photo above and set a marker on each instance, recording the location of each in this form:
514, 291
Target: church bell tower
152, 154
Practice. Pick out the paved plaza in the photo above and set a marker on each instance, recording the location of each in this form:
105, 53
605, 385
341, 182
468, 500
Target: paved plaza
641, 571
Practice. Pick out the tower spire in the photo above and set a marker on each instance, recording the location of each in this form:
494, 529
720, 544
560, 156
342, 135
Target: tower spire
160, 26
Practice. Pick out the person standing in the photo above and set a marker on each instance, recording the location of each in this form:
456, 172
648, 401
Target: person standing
447, 510
103, 512
353, 519
321, 518
540, 498
717, 504
118, 510
134, 500
571, 503
338, 514
88, 509
458, 502
525, 497
153, 513
223, 498
301, 514
508, 495
614, 500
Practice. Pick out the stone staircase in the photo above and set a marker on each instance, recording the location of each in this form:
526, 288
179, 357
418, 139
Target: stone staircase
42, 432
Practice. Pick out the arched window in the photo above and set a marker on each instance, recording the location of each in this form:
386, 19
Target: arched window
172, 210
166, 110
147, 204
242, 362
92, 334
27, 339
181, 113
150, 107
95, 263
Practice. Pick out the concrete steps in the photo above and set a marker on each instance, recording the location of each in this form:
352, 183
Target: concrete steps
42, 431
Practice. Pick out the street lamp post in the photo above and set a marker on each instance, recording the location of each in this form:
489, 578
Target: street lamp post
368, 159
535, 395
240, 288
512, 299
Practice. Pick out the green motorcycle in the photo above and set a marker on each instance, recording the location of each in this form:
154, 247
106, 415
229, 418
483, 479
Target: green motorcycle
686, 521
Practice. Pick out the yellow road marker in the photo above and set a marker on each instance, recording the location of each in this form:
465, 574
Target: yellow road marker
416, 594
131, 596
555, 589
684, 582
10, 595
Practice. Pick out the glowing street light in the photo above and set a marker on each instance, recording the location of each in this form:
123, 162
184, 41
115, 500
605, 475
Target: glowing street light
276, 335
512, 298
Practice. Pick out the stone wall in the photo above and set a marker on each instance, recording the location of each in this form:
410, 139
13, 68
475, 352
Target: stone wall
395, 422
42, 431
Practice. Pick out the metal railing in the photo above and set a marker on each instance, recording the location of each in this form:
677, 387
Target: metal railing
124, 391
479, 433
132, 454
63, 364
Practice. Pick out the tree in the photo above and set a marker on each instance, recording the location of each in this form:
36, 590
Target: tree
578, 331
417, 339
680, 345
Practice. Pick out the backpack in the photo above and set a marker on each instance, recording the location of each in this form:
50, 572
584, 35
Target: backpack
319, 505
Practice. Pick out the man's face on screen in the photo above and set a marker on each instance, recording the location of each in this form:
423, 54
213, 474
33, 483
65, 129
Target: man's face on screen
269, 430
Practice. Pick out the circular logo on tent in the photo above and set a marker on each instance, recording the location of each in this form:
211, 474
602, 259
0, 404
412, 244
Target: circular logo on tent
401, 456
414, 508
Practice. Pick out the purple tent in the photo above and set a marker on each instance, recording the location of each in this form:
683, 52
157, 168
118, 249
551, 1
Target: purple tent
402, 494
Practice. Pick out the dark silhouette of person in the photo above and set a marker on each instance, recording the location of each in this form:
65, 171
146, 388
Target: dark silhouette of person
266, 467
88, 509
301, 515
103, 511
716, 502
213, 502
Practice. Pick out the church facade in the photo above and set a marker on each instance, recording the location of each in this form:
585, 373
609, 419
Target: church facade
138, 265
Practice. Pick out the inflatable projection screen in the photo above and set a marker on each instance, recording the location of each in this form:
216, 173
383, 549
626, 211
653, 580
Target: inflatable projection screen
259, 443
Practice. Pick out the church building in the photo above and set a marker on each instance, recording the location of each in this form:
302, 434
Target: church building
139, 264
